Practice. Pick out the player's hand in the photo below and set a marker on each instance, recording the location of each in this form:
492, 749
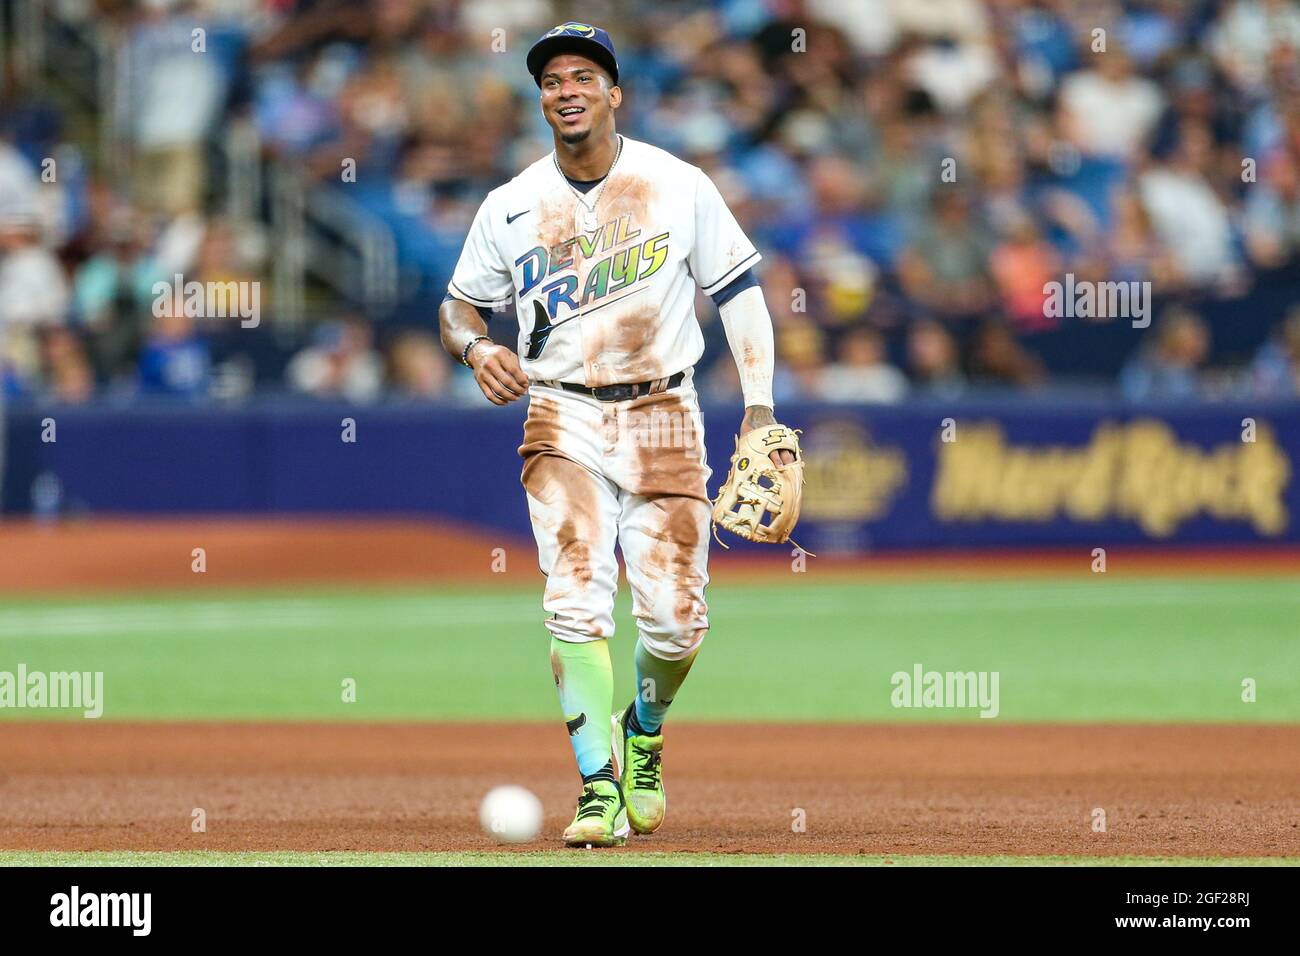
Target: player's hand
757, 416
497, 371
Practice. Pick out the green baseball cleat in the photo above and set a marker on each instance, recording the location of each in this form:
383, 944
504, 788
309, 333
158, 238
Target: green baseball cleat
601, 819
638, 762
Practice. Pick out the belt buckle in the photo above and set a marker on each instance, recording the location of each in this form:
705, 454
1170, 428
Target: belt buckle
614, 393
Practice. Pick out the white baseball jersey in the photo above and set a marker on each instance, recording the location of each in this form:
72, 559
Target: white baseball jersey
604, 282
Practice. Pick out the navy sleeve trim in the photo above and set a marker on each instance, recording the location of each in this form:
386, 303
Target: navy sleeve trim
746, 280
731, 273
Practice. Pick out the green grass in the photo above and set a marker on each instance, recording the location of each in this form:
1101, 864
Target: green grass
592, 858
1085, 648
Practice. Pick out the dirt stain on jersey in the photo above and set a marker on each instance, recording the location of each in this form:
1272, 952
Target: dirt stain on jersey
627, 194
616, 339
736, 255
620, 344
556, 220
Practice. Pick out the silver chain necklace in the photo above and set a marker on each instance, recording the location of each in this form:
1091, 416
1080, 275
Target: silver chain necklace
590, 221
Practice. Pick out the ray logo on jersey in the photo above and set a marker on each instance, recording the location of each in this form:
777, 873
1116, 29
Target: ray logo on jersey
613, 264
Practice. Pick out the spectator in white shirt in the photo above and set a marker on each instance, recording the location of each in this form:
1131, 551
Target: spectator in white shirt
1108, 111
1187, 214
34, 293
861, 374
1248, 33
342, 363
174, 97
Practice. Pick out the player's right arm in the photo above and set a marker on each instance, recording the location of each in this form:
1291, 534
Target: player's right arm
480, 282
495, 367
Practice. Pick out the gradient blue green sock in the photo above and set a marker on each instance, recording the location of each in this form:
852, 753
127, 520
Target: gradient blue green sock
659, 680
585, 680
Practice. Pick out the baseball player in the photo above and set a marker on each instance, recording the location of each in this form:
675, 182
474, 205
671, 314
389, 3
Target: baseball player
599, 247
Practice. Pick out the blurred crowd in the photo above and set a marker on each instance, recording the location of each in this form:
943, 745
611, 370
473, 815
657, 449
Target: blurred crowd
914, 171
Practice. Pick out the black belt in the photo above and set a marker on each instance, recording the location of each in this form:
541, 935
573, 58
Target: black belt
621, 393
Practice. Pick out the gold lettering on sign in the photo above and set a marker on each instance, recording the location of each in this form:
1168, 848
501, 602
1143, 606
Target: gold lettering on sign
1137, 471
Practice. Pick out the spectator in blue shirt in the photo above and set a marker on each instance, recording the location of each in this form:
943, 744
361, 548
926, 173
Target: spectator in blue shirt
174, 360
1171, 368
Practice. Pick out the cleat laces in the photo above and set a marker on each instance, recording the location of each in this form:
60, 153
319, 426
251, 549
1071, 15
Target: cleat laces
645, 768
592, 803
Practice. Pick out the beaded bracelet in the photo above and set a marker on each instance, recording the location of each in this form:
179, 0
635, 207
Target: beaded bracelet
464, 356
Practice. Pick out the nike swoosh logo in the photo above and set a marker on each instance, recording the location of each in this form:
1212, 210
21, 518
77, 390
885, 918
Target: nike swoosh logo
510, 218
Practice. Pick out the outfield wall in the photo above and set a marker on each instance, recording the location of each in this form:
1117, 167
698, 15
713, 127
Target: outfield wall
928, 475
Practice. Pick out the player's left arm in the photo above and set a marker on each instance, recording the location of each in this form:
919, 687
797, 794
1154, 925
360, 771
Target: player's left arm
723, 260
748, 325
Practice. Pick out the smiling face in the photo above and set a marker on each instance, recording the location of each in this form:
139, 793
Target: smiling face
578, 98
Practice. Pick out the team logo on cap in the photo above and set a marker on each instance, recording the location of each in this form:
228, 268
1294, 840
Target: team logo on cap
574, 29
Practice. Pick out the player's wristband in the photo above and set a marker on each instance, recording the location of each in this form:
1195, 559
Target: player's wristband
464, 356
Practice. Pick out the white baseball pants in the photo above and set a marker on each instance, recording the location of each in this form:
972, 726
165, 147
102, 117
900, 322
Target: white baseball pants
632, 472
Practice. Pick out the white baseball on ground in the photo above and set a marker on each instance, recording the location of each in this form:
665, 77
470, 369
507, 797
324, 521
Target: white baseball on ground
511, 814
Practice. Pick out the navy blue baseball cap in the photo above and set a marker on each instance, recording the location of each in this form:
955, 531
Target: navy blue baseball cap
573, 37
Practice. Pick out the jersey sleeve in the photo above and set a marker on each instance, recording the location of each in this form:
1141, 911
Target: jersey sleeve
722, 251
481, 278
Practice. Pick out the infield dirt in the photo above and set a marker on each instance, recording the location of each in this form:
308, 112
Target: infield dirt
107, 555
1169, 790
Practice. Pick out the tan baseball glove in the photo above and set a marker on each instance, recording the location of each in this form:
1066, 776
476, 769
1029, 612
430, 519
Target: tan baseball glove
759, 501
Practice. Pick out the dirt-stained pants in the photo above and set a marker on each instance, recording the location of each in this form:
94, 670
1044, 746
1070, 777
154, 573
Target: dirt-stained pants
631, 472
